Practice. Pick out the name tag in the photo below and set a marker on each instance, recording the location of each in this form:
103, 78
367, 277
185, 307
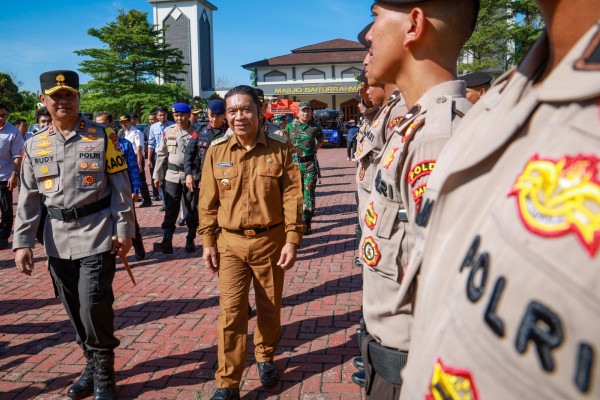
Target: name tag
225, 164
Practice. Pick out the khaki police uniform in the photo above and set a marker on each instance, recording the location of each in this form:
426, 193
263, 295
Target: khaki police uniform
172, 149
508, 247
400, 178
255, 196
83, 182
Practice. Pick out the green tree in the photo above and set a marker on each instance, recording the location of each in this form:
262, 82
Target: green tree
9, 92
504, 31
124, 71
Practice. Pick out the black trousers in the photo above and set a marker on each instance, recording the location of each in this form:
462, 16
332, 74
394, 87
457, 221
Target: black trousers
144, 189
137, 241
173, 193
351, 148
376, 387
155, 191
85, 289
6, 210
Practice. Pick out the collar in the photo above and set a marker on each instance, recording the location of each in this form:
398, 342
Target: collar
262, 139
446, 89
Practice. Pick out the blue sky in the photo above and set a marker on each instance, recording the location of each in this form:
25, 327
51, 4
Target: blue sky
41, 35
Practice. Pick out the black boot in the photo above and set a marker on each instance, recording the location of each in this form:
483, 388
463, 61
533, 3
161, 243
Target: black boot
84, 386
190, 246
104, 378
166, 246
359, 378
307, 221
226, 394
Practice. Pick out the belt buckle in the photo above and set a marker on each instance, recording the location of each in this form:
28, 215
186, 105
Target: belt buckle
69, 213
249, 232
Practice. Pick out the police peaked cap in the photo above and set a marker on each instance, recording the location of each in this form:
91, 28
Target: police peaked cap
53, 81
475, 79
362, 36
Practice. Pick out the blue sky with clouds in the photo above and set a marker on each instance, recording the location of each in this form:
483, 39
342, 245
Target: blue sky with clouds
41, 35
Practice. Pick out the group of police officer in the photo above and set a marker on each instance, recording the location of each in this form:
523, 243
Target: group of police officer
479, 226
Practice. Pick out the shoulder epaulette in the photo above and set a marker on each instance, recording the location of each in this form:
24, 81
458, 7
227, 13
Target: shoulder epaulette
219, 141
41, 131
279, 138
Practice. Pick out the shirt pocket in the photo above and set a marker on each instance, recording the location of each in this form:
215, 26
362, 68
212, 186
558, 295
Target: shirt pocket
226, 180
172, 146
269, 176
47, 178
89, 169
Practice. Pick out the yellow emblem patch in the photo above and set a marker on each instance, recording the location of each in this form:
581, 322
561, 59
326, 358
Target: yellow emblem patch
44, 152
370, 252
371, 216
390, 157
451, 383
44, 144
44, 170
89, 138
558, 197
48, 183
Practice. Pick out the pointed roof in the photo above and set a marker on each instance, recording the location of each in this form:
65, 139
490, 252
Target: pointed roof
336, 51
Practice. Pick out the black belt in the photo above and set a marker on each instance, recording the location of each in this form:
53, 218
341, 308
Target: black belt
174, 167
67, 214
306, 159
387, 362
254, 231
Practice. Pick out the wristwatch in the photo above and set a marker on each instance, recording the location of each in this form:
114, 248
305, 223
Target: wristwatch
15, 173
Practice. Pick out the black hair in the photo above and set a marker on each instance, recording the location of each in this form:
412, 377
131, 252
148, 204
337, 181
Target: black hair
109, 117
133, 115
4, 107
245, 90
18, 121
41, 112
152, 113
161, 109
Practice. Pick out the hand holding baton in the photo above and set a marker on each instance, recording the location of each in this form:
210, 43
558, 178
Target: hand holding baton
117, 245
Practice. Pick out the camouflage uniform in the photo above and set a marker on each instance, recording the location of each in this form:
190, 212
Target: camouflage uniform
304, 138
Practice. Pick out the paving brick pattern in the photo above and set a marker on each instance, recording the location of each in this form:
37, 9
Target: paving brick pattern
167, 323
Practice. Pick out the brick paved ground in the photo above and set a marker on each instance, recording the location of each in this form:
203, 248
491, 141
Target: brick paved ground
167, 323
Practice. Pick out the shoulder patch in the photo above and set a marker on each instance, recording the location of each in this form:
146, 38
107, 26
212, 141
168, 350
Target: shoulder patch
219, 141
42, 131
279, 138
590, 60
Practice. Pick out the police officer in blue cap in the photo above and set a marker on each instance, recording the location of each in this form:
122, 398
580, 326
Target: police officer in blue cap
172, 149
200, 141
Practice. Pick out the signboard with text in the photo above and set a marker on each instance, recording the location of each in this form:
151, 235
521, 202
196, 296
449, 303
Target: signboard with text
317, 88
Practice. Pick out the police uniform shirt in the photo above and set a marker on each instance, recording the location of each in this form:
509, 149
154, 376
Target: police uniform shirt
136, 138
245, 189
80, 170
172, 148
11, 142
197, 147
400, 178
509, 292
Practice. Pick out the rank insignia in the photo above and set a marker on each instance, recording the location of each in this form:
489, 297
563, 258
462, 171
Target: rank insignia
451, 383
411, 128
89, 146
420, 170
44, 170
371, 216
361, 172
385, 110
44, 152
89, 138
418, 193
88, 180
225, 184
370, 252
44, 144
84, 165
81, 125
556, 197
43, 136
390, 157
48, 183
51, 130
95, 165
171, 149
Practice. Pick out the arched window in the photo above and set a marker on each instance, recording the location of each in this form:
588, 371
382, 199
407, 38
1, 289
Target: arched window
313, 73
350, 72
275, 76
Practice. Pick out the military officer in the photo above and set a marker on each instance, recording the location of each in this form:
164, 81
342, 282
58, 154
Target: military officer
410, 39
281, 121
478, 83
307, 138
172, 148
76, 168
194, 117
507, 249
251, 189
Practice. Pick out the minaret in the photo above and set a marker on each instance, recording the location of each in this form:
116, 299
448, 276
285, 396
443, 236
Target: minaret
190, 30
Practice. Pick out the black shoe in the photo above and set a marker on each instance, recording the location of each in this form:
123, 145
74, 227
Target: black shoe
145, 204
190, 246
181, 221
162, 208
84, 386
267, 372
156, 198
3, 244
358, 363
166, 246
226, 394
140, 254
359, 378
104, 377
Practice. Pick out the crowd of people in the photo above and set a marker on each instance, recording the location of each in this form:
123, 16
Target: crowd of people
478, 209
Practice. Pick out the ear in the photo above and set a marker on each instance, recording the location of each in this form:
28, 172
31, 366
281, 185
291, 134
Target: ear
42, 97
416, 29
482, 91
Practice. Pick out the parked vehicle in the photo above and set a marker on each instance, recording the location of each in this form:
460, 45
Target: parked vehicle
330, 122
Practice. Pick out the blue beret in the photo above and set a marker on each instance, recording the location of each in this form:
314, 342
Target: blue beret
181, 108
216, 106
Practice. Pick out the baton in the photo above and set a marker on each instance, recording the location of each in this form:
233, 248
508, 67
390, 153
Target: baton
117, 244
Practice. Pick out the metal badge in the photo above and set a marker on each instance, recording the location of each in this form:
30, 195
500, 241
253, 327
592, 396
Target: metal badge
226, 184
270, 160
48, 183
88, 180
44, 170
83, 165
